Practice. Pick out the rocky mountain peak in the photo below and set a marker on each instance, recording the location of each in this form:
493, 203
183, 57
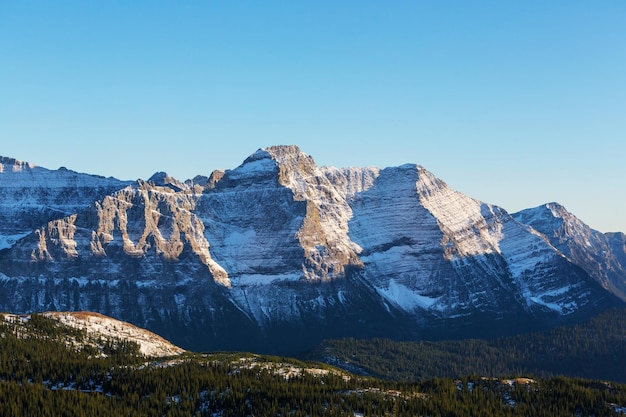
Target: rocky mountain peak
285, 152
291, 164
279, 244
553, 220
163, 179
548, 211
324, 231
216, 175
309, 207
201, 183
13, 165
290, 156
297, 170
594, 251
557, 208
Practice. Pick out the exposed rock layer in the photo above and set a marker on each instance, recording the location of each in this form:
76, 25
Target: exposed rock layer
278, 253
31, 196
603, 256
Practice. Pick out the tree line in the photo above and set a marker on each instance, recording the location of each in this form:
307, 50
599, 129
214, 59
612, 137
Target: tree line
595, 349
44, 373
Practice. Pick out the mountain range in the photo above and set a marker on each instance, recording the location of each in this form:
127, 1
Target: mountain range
279, 253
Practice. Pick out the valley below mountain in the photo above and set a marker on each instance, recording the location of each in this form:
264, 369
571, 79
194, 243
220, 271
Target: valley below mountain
278, 254
593, 349
71, 364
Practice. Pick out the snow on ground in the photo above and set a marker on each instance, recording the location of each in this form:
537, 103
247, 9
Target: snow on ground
286, 370
404, 297
150, 344
262, 279
260, 161
9, 240
545, 297
470, 221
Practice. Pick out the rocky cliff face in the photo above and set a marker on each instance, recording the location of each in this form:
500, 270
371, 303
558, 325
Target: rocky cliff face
603, 256
429, 247
278, 253
136, 231
31, 196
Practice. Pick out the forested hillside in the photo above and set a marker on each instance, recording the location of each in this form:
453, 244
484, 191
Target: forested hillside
49, 369
595, 349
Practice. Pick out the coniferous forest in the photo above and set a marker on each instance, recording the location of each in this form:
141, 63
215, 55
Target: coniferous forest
48, 369
595, 349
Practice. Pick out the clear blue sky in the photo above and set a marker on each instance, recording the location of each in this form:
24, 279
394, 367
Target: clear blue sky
516, 103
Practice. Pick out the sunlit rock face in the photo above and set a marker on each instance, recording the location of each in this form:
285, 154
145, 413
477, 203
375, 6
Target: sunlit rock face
428, 247
31, 196
603, 256
278, 253
135, 232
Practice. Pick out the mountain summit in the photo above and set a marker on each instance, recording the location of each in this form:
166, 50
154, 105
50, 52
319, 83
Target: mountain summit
279, 253
603, 256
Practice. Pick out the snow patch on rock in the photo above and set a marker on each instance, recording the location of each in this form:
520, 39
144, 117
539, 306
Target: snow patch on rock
149, 343
404, 297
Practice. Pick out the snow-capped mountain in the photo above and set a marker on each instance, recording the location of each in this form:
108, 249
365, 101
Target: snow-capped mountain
31, 196
603, 256
430, 247
279, 253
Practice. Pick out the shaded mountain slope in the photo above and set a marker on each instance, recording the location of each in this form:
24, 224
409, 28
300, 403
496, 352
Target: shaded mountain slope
279, 253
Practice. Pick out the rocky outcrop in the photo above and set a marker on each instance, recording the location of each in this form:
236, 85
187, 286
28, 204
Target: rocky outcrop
99, 327
603, 256
428, 247
31, 196
151, 224
278, 253
324, 231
